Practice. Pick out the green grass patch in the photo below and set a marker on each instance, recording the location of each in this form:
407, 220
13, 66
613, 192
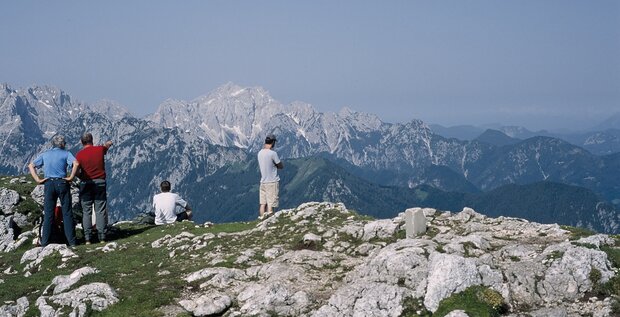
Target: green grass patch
577, 233
611, 287
585, 245
439, 248
431, 232
475, 301
613, 254
414, 307
131, 269
468, 246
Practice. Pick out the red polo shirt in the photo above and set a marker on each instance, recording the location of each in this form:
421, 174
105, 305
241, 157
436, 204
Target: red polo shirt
91, 162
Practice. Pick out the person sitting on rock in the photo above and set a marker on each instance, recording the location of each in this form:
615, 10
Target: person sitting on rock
170, 207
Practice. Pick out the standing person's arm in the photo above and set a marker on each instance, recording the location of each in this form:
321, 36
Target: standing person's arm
71, 160
106, 146
34, 174
74, 169
276, 161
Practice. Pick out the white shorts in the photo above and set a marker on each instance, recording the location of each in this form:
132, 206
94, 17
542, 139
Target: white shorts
269, 194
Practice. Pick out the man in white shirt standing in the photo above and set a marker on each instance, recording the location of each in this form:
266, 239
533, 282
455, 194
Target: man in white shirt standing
170, 207
269, 164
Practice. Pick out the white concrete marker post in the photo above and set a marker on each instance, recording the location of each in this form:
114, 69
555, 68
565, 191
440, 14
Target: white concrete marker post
415, 222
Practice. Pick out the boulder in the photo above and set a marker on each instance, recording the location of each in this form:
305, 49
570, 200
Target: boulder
62, 283
36, 255
8, 199
17, 310
207, 304
448, 274
7, 234
38, 194
272, 298
95, 296
364, 299
380, 229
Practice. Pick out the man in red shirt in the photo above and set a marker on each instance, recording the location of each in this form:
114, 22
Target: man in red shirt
93, 186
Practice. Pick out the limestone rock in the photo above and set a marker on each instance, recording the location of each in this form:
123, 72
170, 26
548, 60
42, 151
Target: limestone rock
372, 299
567, 277
15, 310
218, 277
96, 295
20, 220
109, 247
311, 238
449, 274
381, 229
359, 269
7, 234
273, 253
8, 199
264, 299
36, 255
207, 304
64, 282
38, 194
597, 240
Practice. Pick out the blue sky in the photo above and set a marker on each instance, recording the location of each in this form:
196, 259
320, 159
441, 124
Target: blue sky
537, 63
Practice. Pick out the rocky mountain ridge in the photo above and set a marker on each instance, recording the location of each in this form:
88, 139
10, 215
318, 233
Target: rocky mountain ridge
320, 259
188, 141
240, 117
602, 140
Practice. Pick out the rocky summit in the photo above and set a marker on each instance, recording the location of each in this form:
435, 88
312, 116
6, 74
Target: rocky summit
320, 259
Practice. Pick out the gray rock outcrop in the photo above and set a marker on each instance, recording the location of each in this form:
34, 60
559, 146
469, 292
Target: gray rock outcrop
322, 260
95, 296
18, 309
8, 199
35, 256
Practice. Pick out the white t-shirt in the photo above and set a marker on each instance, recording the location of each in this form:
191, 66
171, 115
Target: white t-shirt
267, 160
166, 207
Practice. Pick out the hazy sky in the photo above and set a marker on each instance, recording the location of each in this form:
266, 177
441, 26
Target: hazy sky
535, 63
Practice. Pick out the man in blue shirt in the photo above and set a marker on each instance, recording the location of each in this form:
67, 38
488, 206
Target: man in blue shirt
57, 185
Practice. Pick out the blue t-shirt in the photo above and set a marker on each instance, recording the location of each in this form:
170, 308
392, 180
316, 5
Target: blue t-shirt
55, 162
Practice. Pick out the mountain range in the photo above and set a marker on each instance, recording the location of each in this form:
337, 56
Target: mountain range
603, 139
230, 195
199, 145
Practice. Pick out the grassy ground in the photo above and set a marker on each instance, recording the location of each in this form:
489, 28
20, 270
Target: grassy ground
132, 269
